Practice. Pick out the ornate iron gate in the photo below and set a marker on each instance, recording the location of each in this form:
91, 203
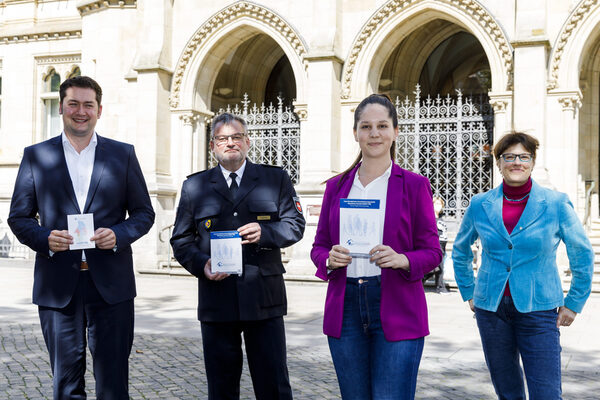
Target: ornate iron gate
274, 135
449, 141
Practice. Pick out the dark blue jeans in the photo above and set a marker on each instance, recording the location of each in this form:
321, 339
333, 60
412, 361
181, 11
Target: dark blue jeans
506, 334
367, 365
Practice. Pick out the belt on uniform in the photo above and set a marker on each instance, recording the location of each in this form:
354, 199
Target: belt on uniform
83, 266
369, 280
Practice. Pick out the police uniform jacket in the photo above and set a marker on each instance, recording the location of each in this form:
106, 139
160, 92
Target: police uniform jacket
265, 196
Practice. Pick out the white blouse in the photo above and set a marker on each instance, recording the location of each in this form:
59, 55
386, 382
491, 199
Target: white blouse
375, 190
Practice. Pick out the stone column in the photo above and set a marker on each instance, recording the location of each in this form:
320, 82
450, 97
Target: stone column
320, 151
566, 146
319, 138
531, 47
186, 145
502, 125
200, 142
529, 99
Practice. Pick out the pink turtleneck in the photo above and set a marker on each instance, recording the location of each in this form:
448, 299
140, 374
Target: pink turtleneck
513, 203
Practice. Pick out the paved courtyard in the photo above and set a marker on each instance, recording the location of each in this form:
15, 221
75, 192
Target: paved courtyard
167, 363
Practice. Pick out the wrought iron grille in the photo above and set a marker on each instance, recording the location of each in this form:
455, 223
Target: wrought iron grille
274, 135
449, 141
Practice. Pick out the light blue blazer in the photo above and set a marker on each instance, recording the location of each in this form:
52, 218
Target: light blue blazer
527, 257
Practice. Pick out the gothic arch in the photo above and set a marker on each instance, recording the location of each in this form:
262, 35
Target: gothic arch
575, 40
230, 24
395, 19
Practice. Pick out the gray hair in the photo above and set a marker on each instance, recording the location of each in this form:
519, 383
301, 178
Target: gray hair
226, 119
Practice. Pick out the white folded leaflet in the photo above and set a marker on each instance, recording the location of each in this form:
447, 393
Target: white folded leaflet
81, 227
226, 252
360, 229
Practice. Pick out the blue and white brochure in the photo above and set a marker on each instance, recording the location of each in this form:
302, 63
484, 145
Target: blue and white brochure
360, 229
226, 252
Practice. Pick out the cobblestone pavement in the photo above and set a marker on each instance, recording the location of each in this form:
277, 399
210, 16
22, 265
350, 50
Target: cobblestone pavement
168, 367
167, 363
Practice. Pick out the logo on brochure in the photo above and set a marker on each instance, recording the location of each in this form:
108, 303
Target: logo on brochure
352, 242
223, 264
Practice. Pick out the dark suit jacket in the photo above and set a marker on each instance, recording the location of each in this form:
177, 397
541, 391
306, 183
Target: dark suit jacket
44, 188
266, 196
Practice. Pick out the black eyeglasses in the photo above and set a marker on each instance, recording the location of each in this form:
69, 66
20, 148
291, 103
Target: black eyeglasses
510, 157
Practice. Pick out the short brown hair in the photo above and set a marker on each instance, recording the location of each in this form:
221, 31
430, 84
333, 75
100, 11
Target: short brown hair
81, 82
530, 143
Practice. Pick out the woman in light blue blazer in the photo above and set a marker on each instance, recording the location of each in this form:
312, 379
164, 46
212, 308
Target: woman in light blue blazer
517, 296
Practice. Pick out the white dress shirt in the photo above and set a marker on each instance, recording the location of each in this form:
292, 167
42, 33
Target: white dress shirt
375, 190
239, 174
80, 166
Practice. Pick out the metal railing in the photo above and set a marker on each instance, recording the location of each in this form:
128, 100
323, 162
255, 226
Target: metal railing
169, 229
448, 140
10, 247
587, 220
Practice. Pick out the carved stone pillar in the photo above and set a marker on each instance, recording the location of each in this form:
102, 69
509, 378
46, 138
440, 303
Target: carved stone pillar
569, 136
186, 144
529, 98
200, 142
320, 118
501, 105
502, 124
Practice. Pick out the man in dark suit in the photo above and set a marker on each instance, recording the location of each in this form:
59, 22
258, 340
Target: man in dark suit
74, 173
259, 202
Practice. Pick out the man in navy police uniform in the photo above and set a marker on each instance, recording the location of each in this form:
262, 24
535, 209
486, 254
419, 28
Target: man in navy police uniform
259, 202
73, 173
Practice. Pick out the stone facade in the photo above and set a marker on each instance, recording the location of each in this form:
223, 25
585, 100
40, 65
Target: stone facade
164, 65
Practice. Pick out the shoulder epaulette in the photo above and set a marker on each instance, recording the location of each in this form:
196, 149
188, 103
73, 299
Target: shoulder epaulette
271, 166
196, 173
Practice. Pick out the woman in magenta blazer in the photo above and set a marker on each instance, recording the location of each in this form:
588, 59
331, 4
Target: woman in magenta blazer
375, 311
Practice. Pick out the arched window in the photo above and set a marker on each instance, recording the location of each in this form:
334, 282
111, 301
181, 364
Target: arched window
50, 98
75, 72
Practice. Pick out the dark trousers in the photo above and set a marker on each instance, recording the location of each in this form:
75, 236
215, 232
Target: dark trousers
110, 335
507, 334
265, 349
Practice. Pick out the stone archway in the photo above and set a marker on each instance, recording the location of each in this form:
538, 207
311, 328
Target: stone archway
258, 68
573, 101
401, 46
201, 61
195, 70
395, 20
464, 67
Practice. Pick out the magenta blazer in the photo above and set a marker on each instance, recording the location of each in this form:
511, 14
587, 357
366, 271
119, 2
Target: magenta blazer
410, 229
